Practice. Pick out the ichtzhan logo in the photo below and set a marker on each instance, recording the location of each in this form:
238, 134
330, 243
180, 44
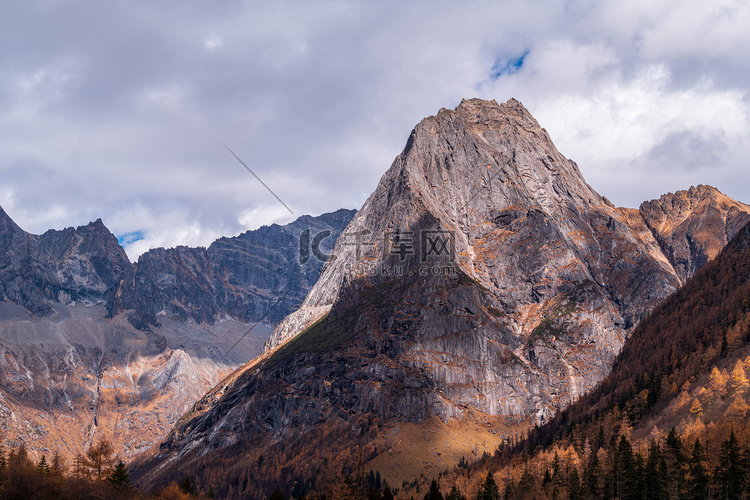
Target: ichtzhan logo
311, 247
428, 245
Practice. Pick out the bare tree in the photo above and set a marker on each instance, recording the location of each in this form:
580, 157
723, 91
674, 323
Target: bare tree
100, 459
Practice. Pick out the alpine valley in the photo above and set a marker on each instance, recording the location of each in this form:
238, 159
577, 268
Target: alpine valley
482, 288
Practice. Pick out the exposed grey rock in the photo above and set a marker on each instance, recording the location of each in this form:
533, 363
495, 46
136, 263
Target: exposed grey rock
544, 283
693, 226
83, 264
251, 277
74, 376
73, 368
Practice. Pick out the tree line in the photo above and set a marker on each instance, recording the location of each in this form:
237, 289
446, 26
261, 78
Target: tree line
96, 474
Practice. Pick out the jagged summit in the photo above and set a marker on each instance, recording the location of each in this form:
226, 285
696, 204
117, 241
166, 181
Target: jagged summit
7, 224
72, 366
693, 226
482, 279
464, 170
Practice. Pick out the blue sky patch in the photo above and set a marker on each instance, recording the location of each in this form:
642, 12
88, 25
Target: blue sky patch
505, 66
130, 238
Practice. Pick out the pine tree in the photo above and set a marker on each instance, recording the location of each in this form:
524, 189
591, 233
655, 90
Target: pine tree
676, 462
80, 469
434, 492
186, 486
699, 480
555, 466
99, 459
387, 495
43, 466
655, 473
119, 477
455, 494
547, 478
57, 468
629, 484
601, 441
591, 476
574, 485
211, 493
489, 490
730, 472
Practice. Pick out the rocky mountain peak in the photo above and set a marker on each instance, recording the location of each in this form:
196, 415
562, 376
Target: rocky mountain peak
692, 226
7, 225
482, 281
461, 172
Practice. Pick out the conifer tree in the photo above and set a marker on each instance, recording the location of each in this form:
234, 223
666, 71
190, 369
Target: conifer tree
655, 473
434, 492
592, 474
99, 459
676, 462
699, 481
387, 494
186, 486
547, 478
57, 468
43, 466
489, 490
574, 485
119, 477
455, 494
730, 472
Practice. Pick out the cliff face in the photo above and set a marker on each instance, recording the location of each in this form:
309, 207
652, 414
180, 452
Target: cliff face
73, 365
74, 376
255, 276
693, 226
84, 264
557, 276
251, 277
482, 279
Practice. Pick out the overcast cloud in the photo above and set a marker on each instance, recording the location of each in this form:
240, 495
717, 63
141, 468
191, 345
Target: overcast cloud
119, 111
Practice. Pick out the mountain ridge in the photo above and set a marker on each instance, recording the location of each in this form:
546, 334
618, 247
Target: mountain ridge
544, 282
80, 356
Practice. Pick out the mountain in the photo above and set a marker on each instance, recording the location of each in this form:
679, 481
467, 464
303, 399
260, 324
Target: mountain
85, 264
251, 277
93, 346
688, 225
672, 418
482, 286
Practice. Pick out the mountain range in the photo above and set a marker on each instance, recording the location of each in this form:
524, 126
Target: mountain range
482, 288
92, 345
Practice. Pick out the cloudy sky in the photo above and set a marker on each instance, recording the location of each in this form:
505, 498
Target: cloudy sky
121, 110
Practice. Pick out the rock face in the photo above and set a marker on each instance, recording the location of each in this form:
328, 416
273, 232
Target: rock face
693, 226
85, 264
482, 277
251, 277
74, 376
93, 346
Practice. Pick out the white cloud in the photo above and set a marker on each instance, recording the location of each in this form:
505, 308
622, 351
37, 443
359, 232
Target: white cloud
213, 43
623, 120
263, 216
169, 96
123, 116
